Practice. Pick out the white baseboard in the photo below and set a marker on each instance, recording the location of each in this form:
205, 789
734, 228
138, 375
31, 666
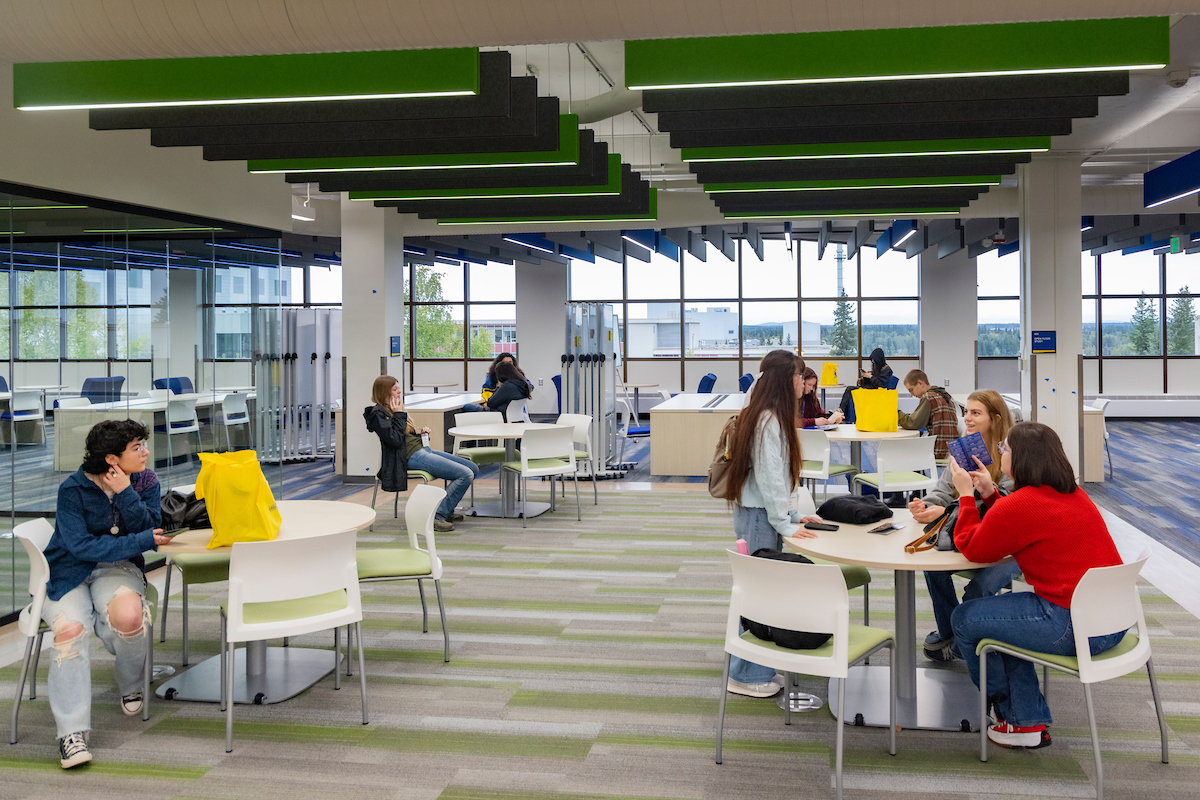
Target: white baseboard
1149, 405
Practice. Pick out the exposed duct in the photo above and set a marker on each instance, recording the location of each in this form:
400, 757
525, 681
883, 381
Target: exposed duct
610, 104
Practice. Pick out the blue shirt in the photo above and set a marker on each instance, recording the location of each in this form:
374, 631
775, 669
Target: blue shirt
83, 525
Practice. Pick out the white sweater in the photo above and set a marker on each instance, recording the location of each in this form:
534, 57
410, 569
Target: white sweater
767, 485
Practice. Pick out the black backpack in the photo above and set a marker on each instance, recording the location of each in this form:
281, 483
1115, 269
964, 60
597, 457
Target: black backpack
792, 640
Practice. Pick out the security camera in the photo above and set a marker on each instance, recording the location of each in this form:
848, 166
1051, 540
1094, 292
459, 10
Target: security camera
1177, 79
986, 243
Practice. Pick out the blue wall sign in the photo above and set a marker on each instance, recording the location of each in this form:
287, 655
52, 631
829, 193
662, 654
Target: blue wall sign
1044, 342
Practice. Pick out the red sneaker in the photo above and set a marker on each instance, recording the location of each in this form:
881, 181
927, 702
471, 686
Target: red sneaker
1030, 738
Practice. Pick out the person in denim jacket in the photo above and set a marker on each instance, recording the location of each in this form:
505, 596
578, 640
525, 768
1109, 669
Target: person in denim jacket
108, 514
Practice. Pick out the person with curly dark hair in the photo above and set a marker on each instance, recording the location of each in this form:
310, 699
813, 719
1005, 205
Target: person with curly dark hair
107, 515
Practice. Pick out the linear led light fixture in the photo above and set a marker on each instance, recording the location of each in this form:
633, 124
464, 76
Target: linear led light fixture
868, 214
148, 230
247, 101
928, 147
631, 240
1172, 181
12, 233
852, 184
611, 188
530, 245
1086, 224
787, 235
37, 208
912, 77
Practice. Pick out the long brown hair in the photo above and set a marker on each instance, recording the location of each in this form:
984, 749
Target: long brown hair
381, 392
1038, 458
774, 393
998, 413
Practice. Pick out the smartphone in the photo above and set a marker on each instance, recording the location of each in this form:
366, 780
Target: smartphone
884, 528
820, 526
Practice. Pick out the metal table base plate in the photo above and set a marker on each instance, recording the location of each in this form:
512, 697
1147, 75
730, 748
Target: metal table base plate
289, 671
800, 701
495, 508
946, 700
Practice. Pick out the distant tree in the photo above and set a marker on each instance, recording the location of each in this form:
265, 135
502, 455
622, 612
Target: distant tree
1181, 325
844, 339
437, 335
1144, 340
789, 340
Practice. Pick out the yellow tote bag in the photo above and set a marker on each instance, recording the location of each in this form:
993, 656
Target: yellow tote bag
241, 506
875, 410
829, 374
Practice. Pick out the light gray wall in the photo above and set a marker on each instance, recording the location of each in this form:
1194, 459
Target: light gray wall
948, 314
542, 329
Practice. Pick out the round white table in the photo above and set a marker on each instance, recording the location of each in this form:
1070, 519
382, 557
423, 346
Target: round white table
509, 432
846, 432
266, 674
435, 386
933, 699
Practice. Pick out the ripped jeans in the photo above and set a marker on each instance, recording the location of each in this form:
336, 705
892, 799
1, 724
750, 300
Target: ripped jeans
70, 681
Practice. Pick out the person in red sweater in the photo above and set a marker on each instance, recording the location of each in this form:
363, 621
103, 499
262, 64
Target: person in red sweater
1056, 534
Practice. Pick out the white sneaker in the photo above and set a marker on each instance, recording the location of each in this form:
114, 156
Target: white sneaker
131, 704
768, 689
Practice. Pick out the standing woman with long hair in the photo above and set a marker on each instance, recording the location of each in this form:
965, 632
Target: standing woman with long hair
764, 468
403, 448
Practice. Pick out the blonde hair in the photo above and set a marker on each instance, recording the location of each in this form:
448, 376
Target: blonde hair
381, 392
1002, 423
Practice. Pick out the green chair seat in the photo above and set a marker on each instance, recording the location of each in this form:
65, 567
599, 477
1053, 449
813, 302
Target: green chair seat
862, 641
841, 469
283, 610
392, 563
1066, 662
536, 463
810, 466
421, 474
202, 567
872, 478
482, 455
855, 576
581, 455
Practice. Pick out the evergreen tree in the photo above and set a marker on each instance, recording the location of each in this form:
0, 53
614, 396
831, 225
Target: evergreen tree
844, 340
1181, 326
1145, 328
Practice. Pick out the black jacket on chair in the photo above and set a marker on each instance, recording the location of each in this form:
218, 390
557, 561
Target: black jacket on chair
390, 428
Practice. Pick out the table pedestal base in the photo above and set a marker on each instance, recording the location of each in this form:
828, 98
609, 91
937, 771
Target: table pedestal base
799, 701
289, 671
495, 508
945, 700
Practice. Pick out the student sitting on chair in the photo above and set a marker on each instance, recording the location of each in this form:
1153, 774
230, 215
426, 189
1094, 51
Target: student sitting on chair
935, 412
490, 381
512, 386
403, 450
107, 516
879, 377
811, 414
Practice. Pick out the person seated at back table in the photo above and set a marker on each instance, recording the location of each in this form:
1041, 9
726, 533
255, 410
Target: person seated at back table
935, 412
513, 386
403, 450
107, 515
878, 378
986, 414
811, 414
490, 381
1056, 534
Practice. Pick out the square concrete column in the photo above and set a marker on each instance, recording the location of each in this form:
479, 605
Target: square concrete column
949, 320
372, 311
1051, 291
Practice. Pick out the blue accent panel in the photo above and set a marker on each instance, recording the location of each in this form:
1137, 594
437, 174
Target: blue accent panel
1008, 247
643, 237
665, 246
1172, 180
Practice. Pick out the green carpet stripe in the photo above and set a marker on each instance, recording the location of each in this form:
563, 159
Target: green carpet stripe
582, 565
432, 656
641, 704
143, 770
544, 605
389, 739
1001, 762
460, 626
709, 743
639, 590
667, 640
630, 537
1183, 724
472, 793
713, 551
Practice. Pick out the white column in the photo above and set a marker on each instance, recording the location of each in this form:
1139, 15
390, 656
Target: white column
372, 311
949, 320
541, 328
1050, 208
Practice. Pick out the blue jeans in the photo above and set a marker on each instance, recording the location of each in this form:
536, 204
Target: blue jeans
751, 524
70, 682
447, 466
1025, 620
987, 582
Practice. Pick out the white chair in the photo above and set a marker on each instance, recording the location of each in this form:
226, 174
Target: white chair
804, 597
158, 394
234, 414
1102, 406
182, 419
582, 425
289, 587
546, 452
517, 411
480, 454
26, 406
855, 576
905, 465
399, 564
73, 402
814, 445
630, 430
34, 536
1106, 600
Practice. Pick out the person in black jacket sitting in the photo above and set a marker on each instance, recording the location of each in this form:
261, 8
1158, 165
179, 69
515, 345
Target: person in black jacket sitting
513, 386
404, 450
879, 377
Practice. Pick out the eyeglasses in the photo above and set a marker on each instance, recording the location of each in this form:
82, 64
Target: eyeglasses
139, 447
1004, 448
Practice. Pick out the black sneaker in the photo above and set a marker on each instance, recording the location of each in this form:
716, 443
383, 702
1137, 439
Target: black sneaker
939, 649
73, 750
131, 704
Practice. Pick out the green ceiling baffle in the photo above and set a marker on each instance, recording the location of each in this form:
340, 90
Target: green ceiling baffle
229, 80
1021, 48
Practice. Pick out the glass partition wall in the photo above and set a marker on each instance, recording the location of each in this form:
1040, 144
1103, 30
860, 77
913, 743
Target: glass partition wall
115, 313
